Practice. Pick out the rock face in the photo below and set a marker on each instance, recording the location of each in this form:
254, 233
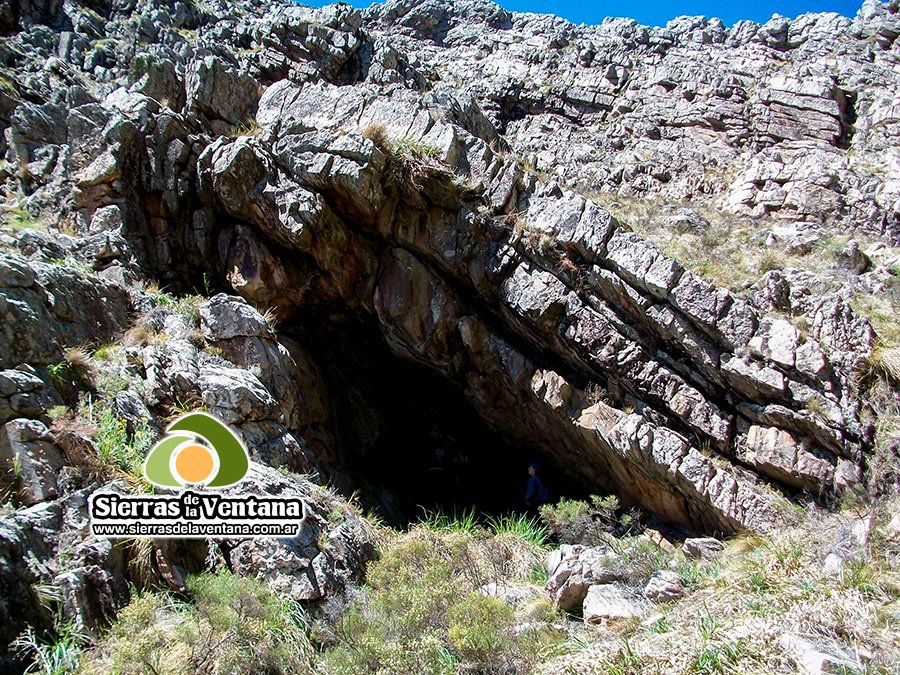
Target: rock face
47, 308
49, 545
573, 570
393, 202
30, 460
341, 179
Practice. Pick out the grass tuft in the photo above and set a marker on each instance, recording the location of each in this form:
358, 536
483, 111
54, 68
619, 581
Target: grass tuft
525, 527
52, 652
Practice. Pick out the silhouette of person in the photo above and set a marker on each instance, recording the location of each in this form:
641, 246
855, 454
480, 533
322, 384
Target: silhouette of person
536, 492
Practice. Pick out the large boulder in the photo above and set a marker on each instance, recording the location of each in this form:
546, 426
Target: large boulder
574, 569
326, 557
605, 602
48, 308
30, 461
24, 394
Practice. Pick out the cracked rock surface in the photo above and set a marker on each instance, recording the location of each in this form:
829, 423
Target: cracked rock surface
414, 188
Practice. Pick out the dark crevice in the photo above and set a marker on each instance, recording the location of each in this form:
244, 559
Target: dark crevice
847, 100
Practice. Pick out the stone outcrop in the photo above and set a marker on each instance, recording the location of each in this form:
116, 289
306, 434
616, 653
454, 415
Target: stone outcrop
386, 205
48, 308
561, 276
608, 602
761, 116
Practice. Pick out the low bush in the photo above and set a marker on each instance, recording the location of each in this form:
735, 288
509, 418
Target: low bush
572, 521
480, 629
427, 609
234, 625
120, 446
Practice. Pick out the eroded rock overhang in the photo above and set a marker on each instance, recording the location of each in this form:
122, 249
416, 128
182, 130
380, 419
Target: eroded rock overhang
565, 331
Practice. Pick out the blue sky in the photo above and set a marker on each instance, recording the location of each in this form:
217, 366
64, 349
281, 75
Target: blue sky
656, 13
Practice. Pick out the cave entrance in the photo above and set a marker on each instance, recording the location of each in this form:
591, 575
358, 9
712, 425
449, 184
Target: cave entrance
409, 441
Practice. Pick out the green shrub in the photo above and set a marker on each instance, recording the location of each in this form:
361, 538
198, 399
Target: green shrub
117, 445
480, 629
719, 657
858, 574
564, 511
423, 612
235, 624
415, 584
640, 557
573, 521
438, 520
527, 528
137, 642
415, 149
188, 306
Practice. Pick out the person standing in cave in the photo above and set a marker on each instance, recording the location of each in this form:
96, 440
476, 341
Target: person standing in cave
536, 493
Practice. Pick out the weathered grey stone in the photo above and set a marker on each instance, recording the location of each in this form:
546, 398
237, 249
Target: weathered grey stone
24, 394
92, 596
776, 339
411, 231
575, 569
664, 586
236, 396
605, 602
853, 258
642, 264
217, 90
776, 453
707, 548
752, 378
47, 308
225, 317
298, 567
30, 461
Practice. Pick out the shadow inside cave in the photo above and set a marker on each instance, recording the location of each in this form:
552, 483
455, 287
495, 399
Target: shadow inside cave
410, 443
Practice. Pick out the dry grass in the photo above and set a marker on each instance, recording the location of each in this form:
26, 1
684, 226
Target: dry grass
192, 402
378, 134
731, 252
249, 128
886, 359
150, 286
531, 237
141, 555
141, 335
738, 607
81, 365
883, 311
271, 318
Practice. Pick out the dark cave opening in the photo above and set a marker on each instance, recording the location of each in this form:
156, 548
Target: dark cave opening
410, 442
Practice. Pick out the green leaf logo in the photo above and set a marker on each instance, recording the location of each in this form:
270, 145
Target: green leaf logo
197, 449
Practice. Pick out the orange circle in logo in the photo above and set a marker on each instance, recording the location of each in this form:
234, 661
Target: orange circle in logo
194, 464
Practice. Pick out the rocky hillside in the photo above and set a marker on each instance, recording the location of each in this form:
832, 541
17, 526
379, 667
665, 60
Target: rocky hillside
661, 261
